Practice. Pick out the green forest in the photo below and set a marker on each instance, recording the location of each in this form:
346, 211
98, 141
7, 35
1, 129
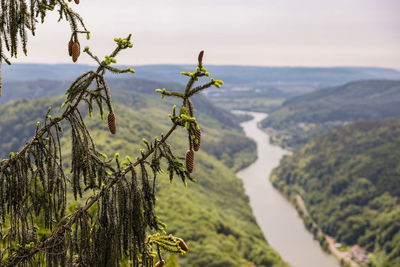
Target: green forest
350, 182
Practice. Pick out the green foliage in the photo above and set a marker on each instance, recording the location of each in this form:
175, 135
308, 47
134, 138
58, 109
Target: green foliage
330, 108
350, 181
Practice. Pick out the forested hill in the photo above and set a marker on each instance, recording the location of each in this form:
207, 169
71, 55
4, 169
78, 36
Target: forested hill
305, 116
213, 215
350, 181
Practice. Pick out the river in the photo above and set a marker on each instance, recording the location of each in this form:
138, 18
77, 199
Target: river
278, 219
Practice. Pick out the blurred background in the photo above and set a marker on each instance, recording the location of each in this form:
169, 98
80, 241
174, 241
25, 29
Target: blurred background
300, 156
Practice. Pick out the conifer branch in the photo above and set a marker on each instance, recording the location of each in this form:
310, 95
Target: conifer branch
14, 260
33, 183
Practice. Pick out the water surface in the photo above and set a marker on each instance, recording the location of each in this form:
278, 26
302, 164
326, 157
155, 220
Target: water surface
278, 219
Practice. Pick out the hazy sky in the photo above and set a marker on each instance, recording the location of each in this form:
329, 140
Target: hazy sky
245, 32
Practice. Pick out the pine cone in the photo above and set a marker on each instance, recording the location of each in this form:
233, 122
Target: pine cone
160, 263
76, 51
76, 1
182, 244
189, 160
70, 44
111, 123
197, 133
200, 58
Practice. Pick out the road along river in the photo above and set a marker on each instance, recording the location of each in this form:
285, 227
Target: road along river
278, 219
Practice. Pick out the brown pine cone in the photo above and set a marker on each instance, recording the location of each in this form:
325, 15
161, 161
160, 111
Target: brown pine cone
76, 51
70, 44
189, 160
197, 133
160, 263
111, 123
182, 244
76, 1
200, 58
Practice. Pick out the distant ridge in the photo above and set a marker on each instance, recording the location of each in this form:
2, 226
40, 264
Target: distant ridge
319, 76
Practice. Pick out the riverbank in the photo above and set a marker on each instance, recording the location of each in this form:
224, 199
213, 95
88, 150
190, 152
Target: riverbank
342, 256
326, 242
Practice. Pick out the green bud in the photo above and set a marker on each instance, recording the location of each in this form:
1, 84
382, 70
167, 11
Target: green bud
128, 158
116, 156
207, 74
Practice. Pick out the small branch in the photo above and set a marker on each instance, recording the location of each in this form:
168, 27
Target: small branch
200, 88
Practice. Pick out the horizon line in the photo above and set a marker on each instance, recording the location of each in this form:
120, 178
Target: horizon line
215, 65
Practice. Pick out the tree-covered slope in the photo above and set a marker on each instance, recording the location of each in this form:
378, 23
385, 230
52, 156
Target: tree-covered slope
133, 93
350, 181
213, 215
306, 116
